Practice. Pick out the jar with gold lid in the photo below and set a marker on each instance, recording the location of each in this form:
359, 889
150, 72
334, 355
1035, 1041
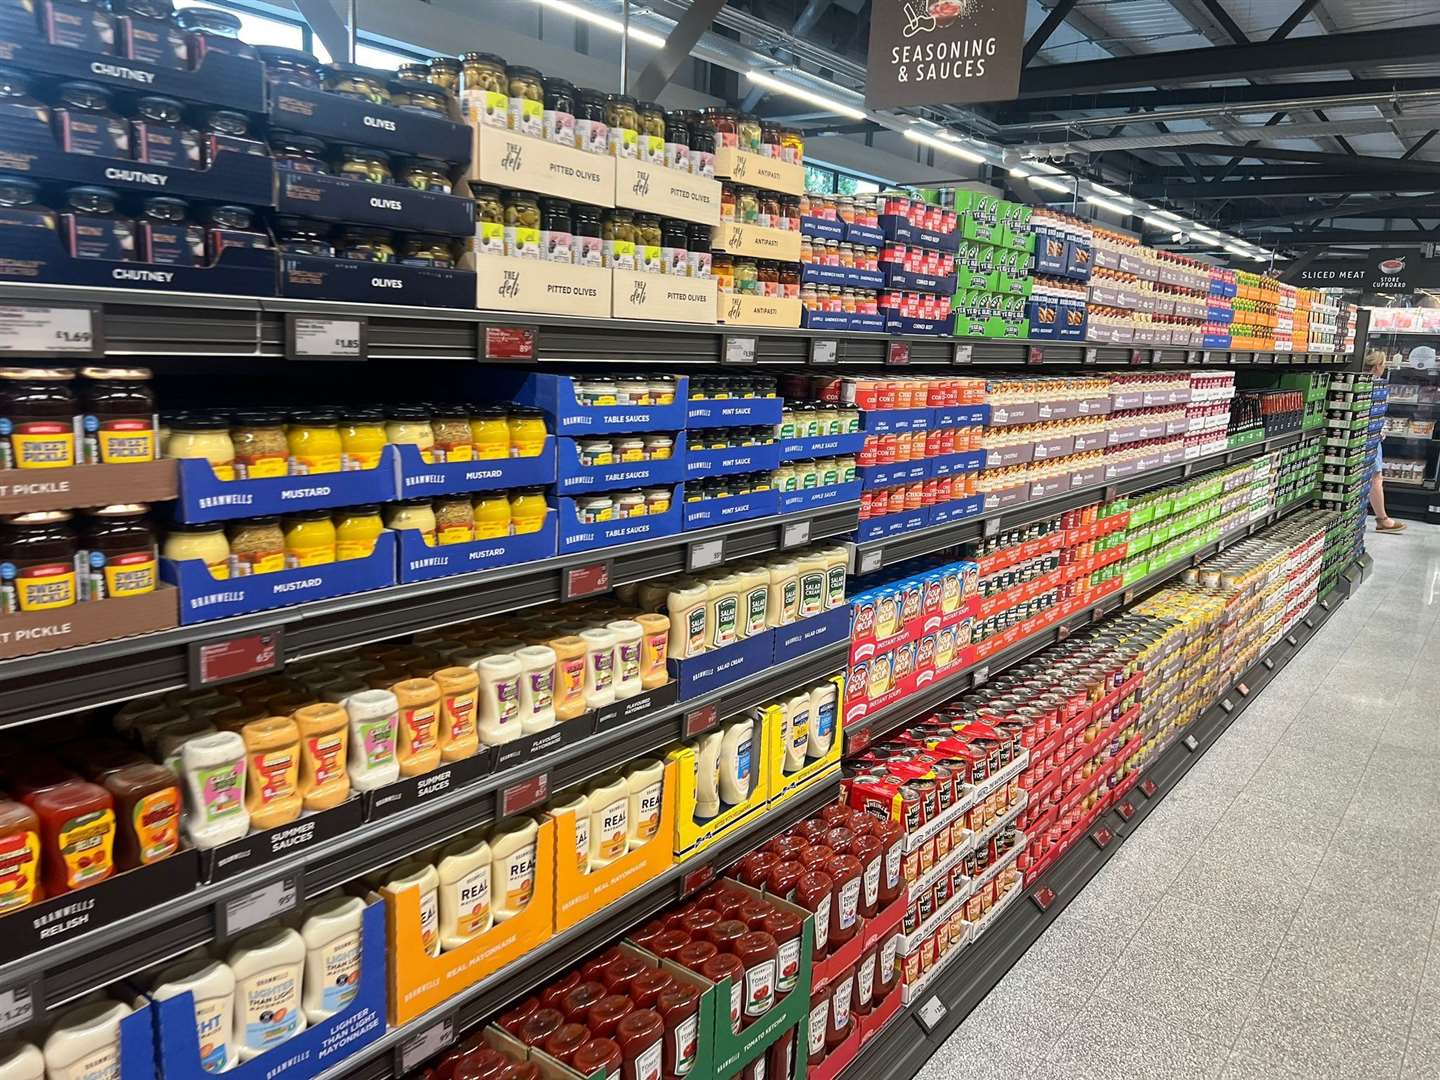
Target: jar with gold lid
526, 88
484, 89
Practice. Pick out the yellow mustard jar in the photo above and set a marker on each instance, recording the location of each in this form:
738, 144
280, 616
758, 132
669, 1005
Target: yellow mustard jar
203, 436
492, 515
314, 440
527, 510
362, 439
490, 432
411, 424
309, 539
527, 433
356, 530
204, 542
417, 514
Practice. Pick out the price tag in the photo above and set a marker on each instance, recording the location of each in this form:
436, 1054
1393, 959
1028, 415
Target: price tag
524, 794
964, 354
309, 337
215, 662
931, 1013
1193, 357
740, 350
696, 880
413, 1052
990, 527
867, 562
17, 1005
255, 907
1043, 897
1269, 664
857, 740
824, 351
1191, 744
1244, 689
1102, 837
1092, 356
794, 534
1126, 810
981, 675
581, 581
1035, 354
42, 331
698, 721
1137, 356
508, 343
1149, 787
704, 554
898, 354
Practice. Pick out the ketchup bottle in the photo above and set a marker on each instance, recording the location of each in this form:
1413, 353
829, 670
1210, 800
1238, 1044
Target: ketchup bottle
785, 927
605, 1015
781, 1057
553, 994
815, 892
819, 1021
865, 981
782, 879
679, 1007
892, 835
870, 853
566, 1040
846, 872
726, 966
759, 952
641, 1036
838, 1022
646, 989
598, 1054
577, 1001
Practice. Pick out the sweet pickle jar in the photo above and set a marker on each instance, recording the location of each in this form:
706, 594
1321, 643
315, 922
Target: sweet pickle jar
119, 415
484, 89
38, 412
354, 81
39, 564
119, 553
526, 88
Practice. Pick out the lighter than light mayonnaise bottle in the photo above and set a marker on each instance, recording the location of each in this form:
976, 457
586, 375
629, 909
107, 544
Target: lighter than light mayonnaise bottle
646, 782
85, 1044
609, 820
211, 984
464, 870
269, 970
415, 874
512, 866
707, 775
332, 934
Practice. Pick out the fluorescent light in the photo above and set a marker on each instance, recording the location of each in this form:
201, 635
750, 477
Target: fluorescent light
594, 18
1158, 222
1106, 204
943, 146
800, 93
1166, 215
1046, 167
1103, 190
1051, 185
1236, 249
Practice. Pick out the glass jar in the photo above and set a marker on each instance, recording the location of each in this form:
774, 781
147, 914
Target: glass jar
290, 67
38, 414
425, 174
362, 437
770, 139
618, 236
363, 163
297, 236
728, 202
697, 255
489, 432
770, 215
622, 114
91, 227
522, 224
702, 150
592, 130
297, 153
557, 242
789, 280
792, 146
262, 447
417, 514
454, 440
357, 528
528, 510
490, 514
526, 88
417, 71
650, 146
194, 435
309, 539
558, 119
747, 205
410, 425
747, 276
257, 546
19, 105
790, 212
420, 97
767, 274
724, 124
674, 247
586, 239
76, 24
722, 269
87, 124
366, 245
203, 542
354, 81
432, 251
648, 244
454, 521
677, 141
484, 89
489, 221
445, 73
748, 133
227, 122
162, 137
164, 235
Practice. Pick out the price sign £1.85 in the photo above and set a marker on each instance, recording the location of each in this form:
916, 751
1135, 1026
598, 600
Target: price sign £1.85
72, 331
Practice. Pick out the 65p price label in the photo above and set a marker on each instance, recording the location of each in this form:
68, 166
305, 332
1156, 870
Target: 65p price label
31, 330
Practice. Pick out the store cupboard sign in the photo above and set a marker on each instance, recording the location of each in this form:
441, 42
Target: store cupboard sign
944, 52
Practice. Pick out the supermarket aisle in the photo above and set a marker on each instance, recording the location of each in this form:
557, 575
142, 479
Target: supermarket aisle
1275, 917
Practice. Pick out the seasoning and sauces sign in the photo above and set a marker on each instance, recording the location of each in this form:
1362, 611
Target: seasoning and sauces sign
944, 52
507, 283
508, 159
664, 297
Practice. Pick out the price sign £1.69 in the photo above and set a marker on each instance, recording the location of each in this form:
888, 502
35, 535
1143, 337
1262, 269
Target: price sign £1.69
46, 331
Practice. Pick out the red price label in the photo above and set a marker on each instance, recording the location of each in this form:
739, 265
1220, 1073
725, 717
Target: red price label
587, 580
509, 343
214, 662
1149, 788
899, 353
697, 879
1126, 810
520, 797
1035, 355
857, 741
1043, 897
1102, 837
701, 720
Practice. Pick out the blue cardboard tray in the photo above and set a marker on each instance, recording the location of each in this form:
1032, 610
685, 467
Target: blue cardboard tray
884, 421
575, 536
554, 395
418, 480
739, 459
905, 472
204, 498
359, 202
733, 412
708, 512
202, 598
697, 675
957, 510
879, 527
841, 275
912, 282
815, 446
962, 416
348, 120
574, 478
314, 277
899, 229
808, 635
792, 502
953, 464
920, 327
419, 562
824, 228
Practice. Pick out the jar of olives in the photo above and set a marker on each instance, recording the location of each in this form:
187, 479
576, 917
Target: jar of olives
362, 163
489, 221
361, 83
290, 66
420, 97
415, 72
484, 89
366, 245
698, 257
527, 100
677, 141
425, 174
617, 231
297, 236
592, 132
702, 149
648, 242
674, 248
651, 143
522, 224
587, 242
432, 251
297, 153
444, 73
556, 237
558, 121
622, 114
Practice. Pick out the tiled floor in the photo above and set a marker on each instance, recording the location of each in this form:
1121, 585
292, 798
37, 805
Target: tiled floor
1275, 916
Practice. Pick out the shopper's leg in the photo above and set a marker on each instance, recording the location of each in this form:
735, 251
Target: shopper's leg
1383, 523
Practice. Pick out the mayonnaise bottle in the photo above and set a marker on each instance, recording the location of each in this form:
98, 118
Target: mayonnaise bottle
214, 770
823, 707
628, 658
332, 934
796, 732
784, 593
837, 568
577, 804
512, 866
754, 599
537, 687
814, 586
722, 611
374, 716
211, 984
736, 761
689, 620
707, 775
414, 874
21, 1061
646, 783
609, 820
269, 966
85, 1043
599, 666
499, 699
464, 871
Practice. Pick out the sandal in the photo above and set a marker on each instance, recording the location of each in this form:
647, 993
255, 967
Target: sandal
1389, 525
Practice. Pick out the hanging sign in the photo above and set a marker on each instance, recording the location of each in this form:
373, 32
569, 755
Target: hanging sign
944, 52
1383, 270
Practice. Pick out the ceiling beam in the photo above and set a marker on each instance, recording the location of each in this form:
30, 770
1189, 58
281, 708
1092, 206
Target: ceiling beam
1269, 94
1278, 189
1294, 19
1336, 163
1053, 20
1236, 61
1355, 236
1416, 204
681, 39
1228, 24
1419, 144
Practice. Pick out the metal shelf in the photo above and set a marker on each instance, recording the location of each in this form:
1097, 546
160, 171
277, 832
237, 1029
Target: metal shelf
156, 324
901, 1048
472, 1007
32, 688
115, 950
